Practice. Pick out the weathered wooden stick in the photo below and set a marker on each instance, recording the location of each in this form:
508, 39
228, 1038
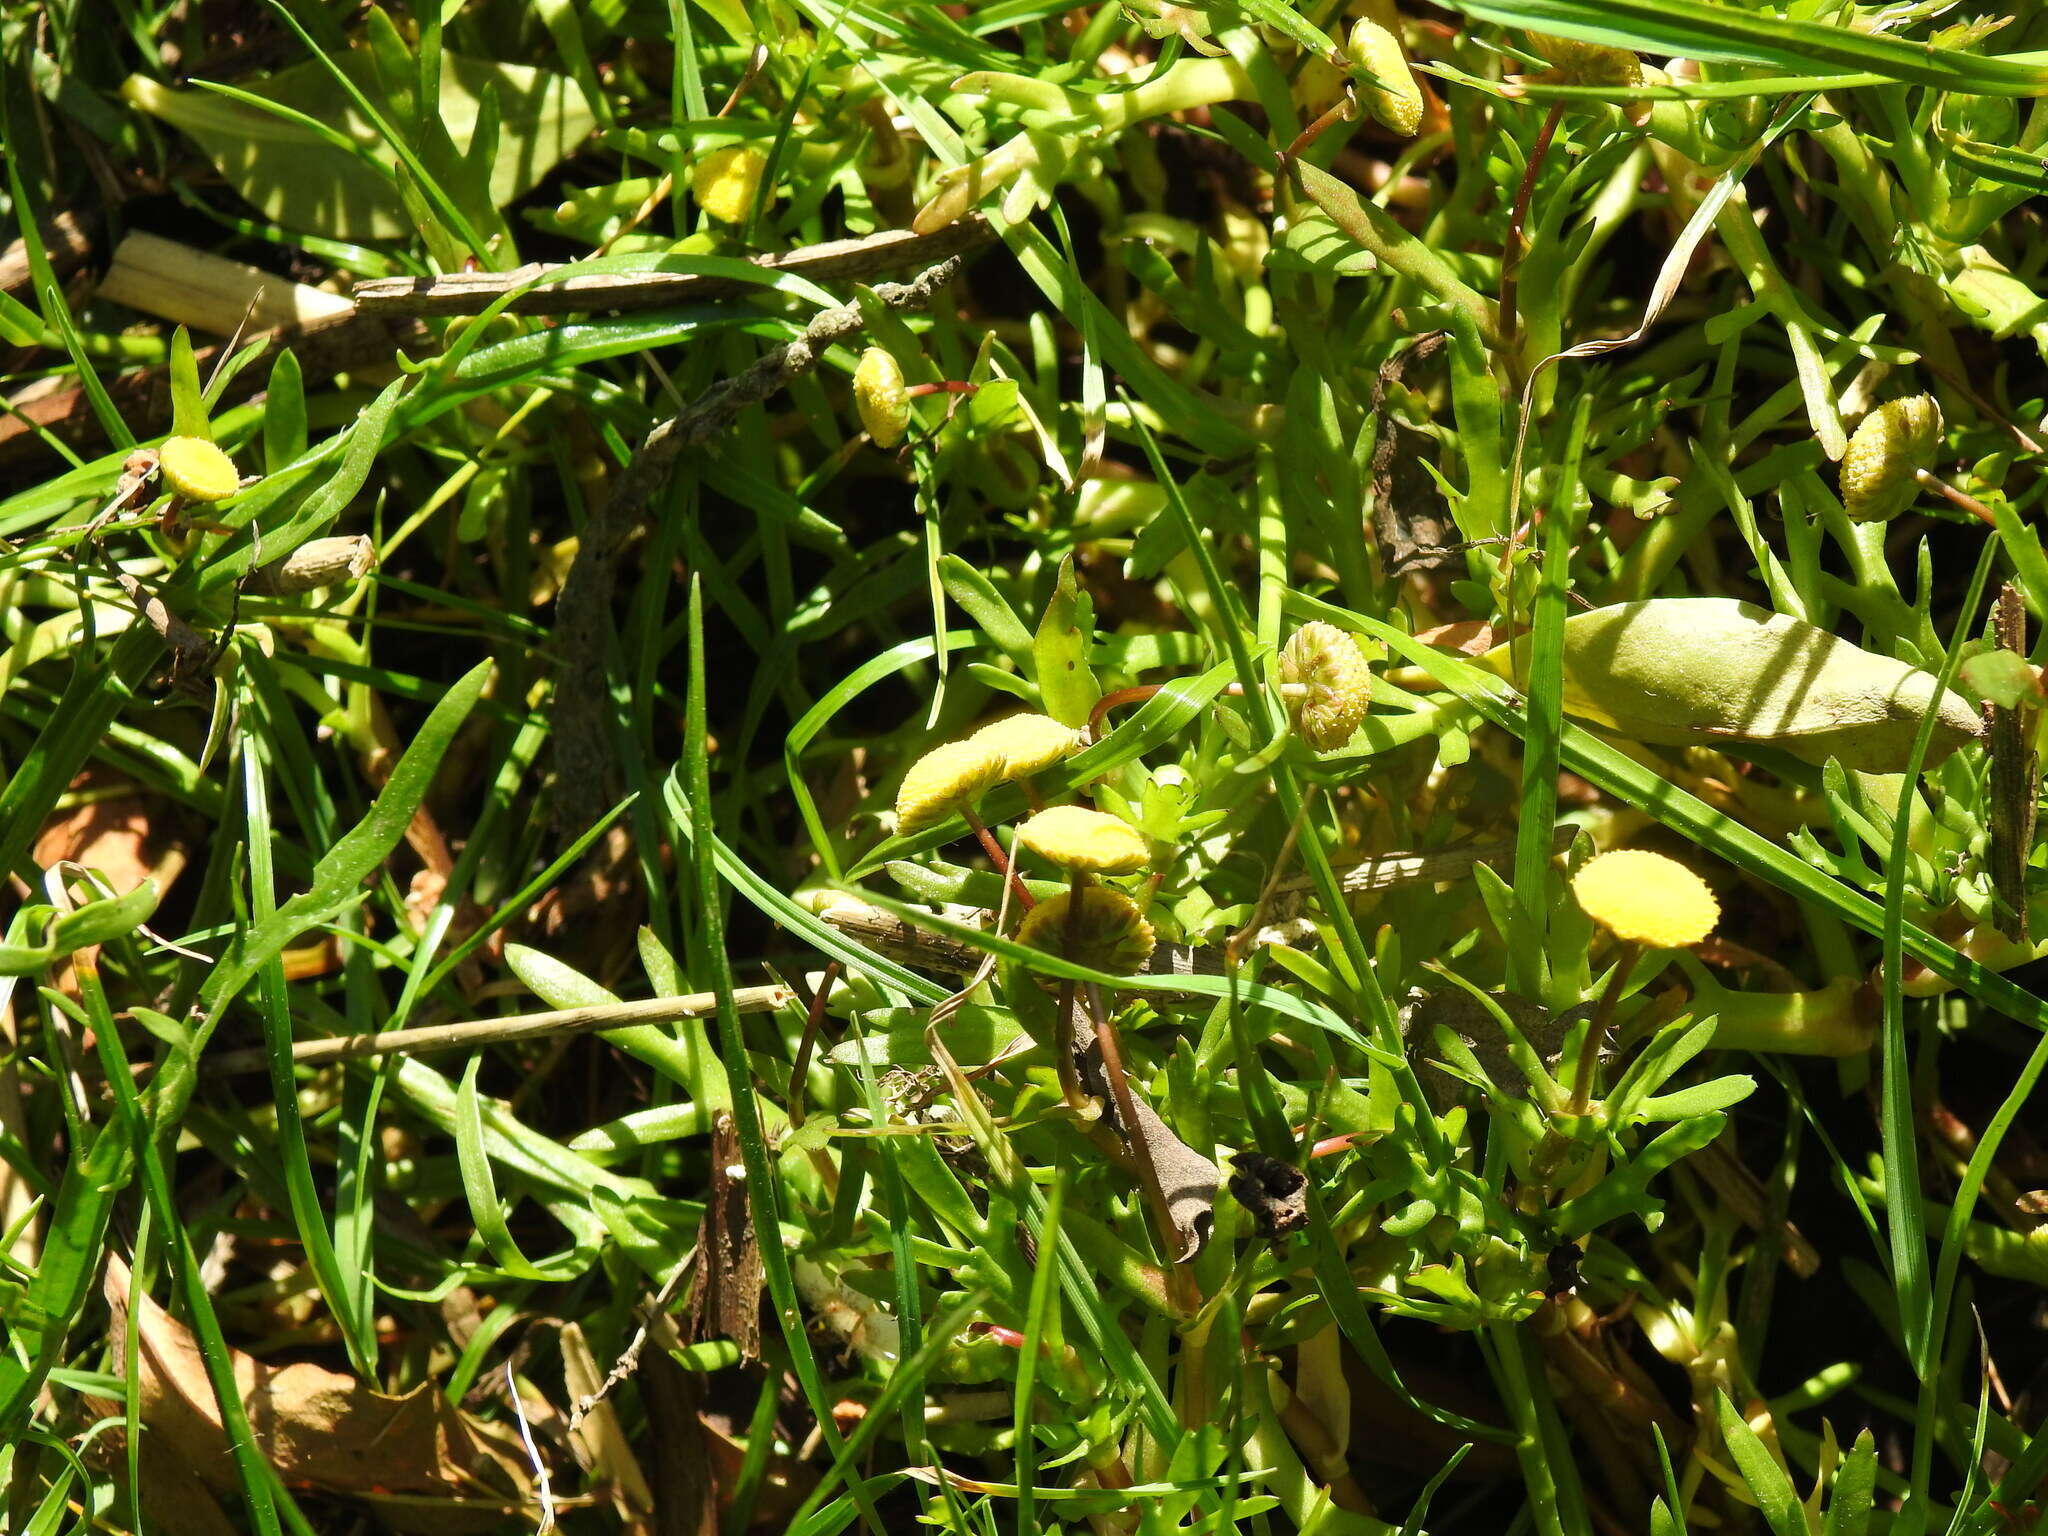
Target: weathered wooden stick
467, 293
531, 1026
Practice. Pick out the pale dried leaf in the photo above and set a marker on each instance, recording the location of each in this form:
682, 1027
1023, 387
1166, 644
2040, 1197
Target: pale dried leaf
318, 1428
598, 1437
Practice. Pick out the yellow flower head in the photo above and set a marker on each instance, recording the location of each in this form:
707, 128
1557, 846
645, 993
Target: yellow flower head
1645, 898
879, 394
1887, 447
1028, 743
197, 470
946, 779
1084, 842
1387, 85
1329, 663
724, 181
1113, 936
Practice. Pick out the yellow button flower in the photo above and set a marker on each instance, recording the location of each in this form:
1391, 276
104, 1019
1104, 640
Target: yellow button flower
946, 779
1084, 842
1028, 743
1645, 898
197, 470
1112, 934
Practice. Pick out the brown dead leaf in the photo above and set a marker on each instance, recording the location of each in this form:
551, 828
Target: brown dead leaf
319, 1428
175, 1502
117, 835
1468, 637
1187, 1179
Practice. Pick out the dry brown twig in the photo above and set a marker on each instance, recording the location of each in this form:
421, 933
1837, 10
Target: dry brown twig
468, 293
531, 1026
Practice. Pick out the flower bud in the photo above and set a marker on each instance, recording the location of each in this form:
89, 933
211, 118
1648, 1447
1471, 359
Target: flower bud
880, 396
1028, 744
316, 563
197, 469
1577, 63
1328, 663
1888, 446
946, 779
1111, 933
724, 182
1386, 83
1085, 842
1645, 898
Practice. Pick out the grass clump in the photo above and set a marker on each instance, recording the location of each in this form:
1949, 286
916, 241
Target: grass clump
1145, 767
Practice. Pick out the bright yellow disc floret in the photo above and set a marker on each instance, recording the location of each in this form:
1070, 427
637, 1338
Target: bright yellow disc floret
197, 470
1028, 743
946, 779
1085, 842
1112, 934
724, 182
1647, 899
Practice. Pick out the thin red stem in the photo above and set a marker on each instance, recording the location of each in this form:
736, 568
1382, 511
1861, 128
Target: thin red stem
1116, 698
1511, 252
1969, 504
1596, 1031
1001, 860
813, 1020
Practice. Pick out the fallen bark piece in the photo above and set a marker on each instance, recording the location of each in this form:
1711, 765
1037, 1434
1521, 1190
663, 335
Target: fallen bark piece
190, 287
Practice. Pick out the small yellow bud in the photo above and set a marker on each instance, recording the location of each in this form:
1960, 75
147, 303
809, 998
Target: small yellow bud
1085, 842
197, 470
1028, 743
1112, 934
1387, 84
1645, 898
1578, 63
946, 779
1326, 661
1887, 447
879, 394
724, 182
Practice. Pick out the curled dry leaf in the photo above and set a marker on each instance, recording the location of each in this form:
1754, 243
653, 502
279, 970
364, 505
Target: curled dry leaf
319, 1428
1187, 1179
1276, 1193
